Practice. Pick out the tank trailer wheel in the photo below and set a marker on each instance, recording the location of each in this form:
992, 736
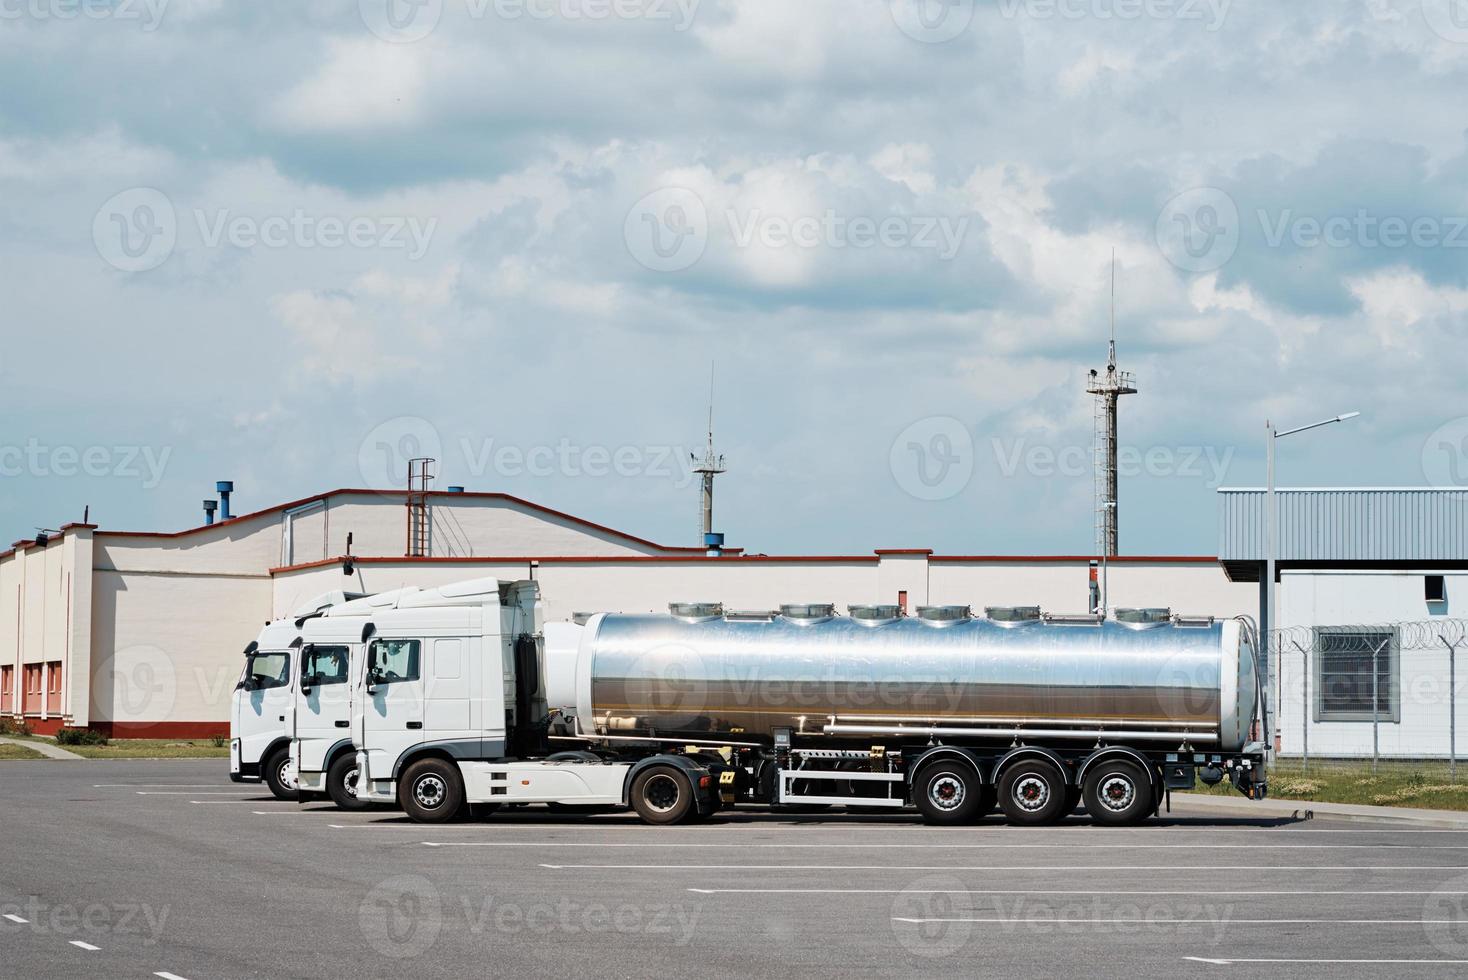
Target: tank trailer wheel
280, 775
1032, 791
948, 791
1118, 792
431, 791
661, 795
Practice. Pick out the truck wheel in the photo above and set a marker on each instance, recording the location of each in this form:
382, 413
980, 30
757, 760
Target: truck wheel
431, 791
1118, 792
661, 795
341, 783
280, 775
947, 791
1032, 791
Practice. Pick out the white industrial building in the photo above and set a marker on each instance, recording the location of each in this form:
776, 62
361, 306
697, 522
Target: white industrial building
1365, 576
140, 633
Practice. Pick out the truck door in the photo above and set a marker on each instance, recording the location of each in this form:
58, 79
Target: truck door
446, 694
263, 701
392, 702
321, 698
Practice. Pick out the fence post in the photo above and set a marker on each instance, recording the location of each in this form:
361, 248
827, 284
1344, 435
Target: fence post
1375, 707
1452, 709
1304, 707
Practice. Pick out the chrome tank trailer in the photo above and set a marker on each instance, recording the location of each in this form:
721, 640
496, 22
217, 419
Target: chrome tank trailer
943, 675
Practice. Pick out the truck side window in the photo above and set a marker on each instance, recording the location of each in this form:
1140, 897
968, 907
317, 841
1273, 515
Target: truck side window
269, 669
325, 665
392, 661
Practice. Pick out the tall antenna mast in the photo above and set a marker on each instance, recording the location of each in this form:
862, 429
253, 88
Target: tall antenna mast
709, 467
1107, 390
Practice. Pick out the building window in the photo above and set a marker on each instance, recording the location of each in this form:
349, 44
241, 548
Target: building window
33, 684
53, 685
7, 689
1343, 674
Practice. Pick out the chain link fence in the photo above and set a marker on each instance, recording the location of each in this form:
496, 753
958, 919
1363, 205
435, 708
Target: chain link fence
1383, 696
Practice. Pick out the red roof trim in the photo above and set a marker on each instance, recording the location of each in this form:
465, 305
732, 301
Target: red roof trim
574, 560
1115, 559
345, 491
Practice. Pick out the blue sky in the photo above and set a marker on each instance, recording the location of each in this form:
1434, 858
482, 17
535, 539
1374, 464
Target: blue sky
290, 244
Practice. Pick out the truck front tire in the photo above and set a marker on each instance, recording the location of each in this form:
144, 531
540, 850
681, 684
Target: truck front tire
341, 783
1118, 793
1032, 791
431, 791
948, 791
662, 795
279, 773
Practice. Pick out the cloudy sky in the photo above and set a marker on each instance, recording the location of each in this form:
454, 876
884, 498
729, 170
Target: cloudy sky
292, 243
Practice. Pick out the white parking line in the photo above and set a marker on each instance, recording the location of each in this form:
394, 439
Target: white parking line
273, 813
989, 867
1130, 920
1042, 891
168, 976
235, 794
15, 918
1214, 962
971, 847
156, 785
86, 946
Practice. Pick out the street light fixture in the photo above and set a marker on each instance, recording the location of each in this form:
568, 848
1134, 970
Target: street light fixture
1271, 546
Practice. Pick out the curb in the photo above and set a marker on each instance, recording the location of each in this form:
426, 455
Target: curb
1307, 810
49, 751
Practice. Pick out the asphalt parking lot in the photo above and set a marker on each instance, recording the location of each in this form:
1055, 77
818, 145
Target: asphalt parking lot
167, 870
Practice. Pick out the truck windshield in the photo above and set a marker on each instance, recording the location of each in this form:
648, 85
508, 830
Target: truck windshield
269, 668
324, 665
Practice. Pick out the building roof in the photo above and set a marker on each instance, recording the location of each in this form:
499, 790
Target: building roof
1344, 527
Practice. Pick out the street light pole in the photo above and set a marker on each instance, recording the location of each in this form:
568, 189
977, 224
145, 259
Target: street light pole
1271, 534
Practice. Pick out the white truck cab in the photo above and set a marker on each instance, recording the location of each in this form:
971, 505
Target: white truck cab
453, 714
260, 708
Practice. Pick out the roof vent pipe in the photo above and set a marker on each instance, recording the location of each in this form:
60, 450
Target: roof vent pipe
225, 488
209, 507
455, 489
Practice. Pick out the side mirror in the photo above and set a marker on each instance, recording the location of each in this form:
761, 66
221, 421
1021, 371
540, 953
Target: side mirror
248, 684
